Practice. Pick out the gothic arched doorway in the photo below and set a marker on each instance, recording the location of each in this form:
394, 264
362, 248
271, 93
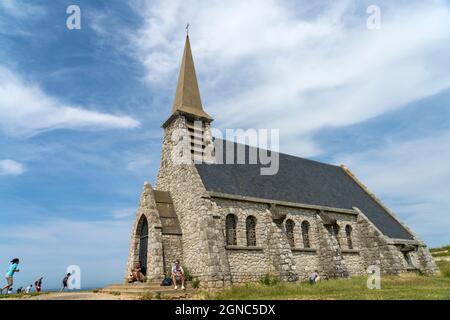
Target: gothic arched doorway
143, 244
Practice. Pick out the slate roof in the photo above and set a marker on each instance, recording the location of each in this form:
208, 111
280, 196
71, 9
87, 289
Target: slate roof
301, 181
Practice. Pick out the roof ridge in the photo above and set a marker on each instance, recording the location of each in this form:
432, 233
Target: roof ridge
281, 153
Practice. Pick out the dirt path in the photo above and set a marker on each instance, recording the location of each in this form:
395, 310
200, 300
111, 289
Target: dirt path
78, 296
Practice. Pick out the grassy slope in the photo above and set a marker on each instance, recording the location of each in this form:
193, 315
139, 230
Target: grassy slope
408, 286
441, 252
443, 248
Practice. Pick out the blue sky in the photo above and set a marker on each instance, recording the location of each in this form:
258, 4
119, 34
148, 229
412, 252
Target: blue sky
80, 110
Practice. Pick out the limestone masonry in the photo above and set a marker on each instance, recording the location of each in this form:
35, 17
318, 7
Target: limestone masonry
228, 224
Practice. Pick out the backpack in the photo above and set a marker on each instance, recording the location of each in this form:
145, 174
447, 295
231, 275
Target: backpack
166, 282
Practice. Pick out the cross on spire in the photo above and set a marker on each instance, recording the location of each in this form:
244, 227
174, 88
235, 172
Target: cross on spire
187, 29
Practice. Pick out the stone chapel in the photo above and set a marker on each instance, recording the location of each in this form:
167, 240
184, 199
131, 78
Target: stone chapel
227, 223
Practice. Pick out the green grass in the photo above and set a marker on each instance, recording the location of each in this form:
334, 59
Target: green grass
444, 266
441, 254
443, 251
443, 248
406, 286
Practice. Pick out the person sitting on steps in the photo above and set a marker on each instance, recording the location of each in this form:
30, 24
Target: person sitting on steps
136, 274
178, 275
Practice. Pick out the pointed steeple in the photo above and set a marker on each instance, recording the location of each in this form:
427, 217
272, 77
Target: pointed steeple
187, 96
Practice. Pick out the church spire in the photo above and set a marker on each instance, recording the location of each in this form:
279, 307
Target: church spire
187, 96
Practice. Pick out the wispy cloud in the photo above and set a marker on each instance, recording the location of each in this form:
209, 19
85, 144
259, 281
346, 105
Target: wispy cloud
26, 110
124, 213
413, 179
11, 167
299, 71
21, 9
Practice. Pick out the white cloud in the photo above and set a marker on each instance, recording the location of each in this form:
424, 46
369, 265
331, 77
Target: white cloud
124, 213
11, 167
140, 163
269, 64
21, 9
26, 110
413, 179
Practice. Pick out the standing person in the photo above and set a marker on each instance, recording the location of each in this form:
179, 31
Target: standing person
64, 282
28, 289
38, 284
10, 274
178, 274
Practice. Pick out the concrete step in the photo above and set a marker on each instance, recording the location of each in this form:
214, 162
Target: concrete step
138, 290
141, 292
141, 288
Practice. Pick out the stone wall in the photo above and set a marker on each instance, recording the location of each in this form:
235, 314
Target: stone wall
201, 241
245, 264
147, 210
273, 253
376, 250
172, 250
203, 251
306, 259
425, 261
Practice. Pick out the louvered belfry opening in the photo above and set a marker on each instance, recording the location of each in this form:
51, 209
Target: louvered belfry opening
196, 130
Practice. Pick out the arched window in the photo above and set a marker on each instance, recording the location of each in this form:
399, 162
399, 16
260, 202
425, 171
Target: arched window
348, 234
305, 234
230, 229
335, 233
407, 259
143, 243
250, 225
289, 225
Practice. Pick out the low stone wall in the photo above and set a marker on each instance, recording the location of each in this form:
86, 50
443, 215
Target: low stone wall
247, 265
306, 262
355, 264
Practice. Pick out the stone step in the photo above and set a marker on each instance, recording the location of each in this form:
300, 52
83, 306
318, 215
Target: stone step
146, 288
164, 292
142, 289
140, 286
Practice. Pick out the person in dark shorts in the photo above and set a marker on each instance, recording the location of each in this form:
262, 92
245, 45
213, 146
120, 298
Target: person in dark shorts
38, 284
314, 277
178, 274
64, 282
